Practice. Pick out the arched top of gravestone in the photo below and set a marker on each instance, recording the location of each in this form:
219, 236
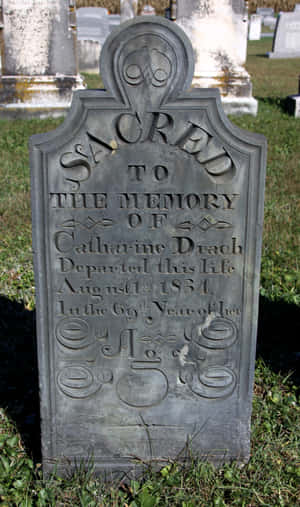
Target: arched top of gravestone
146, 66
146, 62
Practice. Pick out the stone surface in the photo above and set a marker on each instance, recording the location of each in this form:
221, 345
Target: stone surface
92, 24
147, 208
297, 7
93, 27
89, 55
255, 27
91, 12
286, 42
39, 70
128, 9
265, 11
270, 21
218, 32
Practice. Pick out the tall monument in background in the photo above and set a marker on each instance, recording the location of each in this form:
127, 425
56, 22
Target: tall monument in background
218, 32
38, 53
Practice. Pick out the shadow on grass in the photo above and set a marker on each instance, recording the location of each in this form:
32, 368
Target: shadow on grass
278, 337
261, 55
279, 102
19, 393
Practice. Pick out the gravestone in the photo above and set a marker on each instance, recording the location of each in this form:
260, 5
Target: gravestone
286, 41
38, 52
92, 24
297, 7
270, 21
148, 10
265, 11
114, 20
147, 208
93, 27
293, 104
255, 27
91, 12
128, 9
218, 32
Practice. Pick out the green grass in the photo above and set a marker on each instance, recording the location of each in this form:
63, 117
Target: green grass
271, 476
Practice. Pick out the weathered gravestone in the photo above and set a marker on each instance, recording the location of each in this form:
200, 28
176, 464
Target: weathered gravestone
270, 21
255, 27
218, 32
93, 28
38, 51
286, 42
92, 23
265, 11
147, 208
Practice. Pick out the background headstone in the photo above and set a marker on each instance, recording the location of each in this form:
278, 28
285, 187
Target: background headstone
265, 11
286, 42
114, 20
94, 24
270, 21
128, 9
88, 52
255, 27
293, 103
148, 10
39, 65
147, 209
218, 31
297, 7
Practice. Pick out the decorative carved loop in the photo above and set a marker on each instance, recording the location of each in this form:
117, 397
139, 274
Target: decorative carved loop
157, 72
74, 333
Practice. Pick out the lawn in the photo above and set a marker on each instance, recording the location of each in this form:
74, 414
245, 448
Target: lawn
272, 475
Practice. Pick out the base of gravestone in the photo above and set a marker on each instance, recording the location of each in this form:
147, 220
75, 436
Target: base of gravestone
120, 469
37, 96
235, 90
293, 105
283, 54
240, 105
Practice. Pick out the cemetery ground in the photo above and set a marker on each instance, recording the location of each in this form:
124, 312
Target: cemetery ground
271, 477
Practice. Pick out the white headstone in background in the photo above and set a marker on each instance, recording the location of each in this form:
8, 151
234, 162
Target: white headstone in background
265, 11
39, 71
88, 52
93, 27
255, 27
270, 21
94, 12
128, 9
297, 7
286, 42
218, 32
92, 24
148, 10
